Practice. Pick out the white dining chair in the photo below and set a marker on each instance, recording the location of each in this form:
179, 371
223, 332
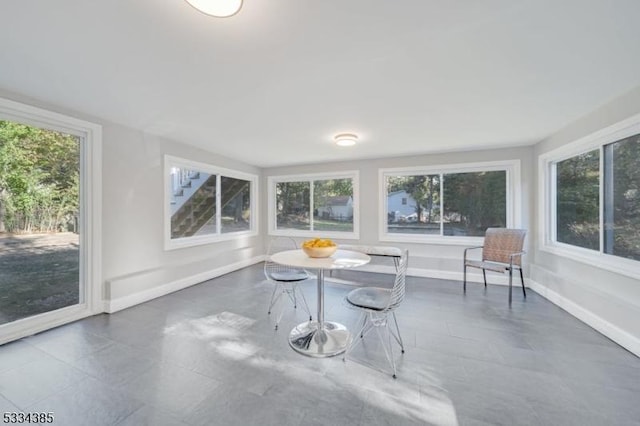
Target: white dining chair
286, 279
378, 306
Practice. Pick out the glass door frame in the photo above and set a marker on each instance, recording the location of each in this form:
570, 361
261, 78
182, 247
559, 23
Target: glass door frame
90, 223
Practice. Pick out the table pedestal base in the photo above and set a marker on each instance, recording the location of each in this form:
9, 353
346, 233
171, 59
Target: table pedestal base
331, 340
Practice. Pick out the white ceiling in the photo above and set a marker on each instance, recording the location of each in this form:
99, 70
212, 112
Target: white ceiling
272, 85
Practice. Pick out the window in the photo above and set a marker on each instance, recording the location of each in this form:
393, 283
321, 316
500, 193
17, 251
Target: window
577, 200
293, 204
474, 202
333, 205
590, 192
206, 204
622, 198
236, 205
193, 203
310, 205
420, 215
441, 203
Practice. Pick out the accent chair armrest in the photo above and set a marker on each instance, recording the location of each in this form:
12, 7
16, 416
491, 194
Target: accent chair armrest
513, 255
470, 248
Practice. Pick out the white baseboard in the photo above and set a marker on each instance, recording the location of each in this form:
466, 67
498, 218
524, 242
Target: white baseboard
473, 277
621, 337
41, 322
115, 305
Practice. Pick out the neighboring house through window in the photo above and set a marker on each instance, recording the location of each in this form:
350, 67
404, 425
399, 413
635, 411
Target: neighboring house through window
312, 205
449, 203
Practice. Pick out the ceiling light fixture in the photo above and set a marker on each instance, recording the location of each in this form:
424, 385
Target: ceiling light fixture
345, 139
217, 8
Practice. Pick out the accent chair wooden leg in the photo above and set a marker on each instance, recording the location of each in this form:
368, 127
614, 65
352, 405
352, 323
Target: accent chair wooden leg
522, 281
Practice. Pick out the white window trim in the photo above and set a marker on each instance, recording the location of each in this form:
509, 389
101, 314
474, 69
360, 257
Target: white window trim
547, 197
513, 202
272, 217
90, 223
177, 243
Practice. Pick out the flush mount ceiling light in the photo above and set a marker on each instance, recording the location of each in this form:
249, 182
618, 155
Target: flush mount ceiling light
217, 8
345, 139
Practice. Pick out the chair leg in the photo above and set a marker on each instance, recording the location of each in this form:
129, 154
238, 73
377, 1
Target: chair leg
464, 279
510, 284
279, 317
304, 302
282, 307
290, 292
369, 324
393, 361
354, 342
484, 275
388, 350
398, 337
524, 292
282, 292
273, 298
364, 324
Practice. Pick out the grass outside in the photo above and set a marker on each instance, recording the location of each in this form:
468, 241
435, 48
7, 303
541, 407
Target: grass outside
318, 225
414, 228
449, 229
38, 273
332, 225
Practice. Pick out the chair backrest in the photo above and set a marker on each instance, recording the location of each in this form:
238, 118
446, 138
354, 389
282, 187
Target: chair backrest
276, 245
398, 290
500, 243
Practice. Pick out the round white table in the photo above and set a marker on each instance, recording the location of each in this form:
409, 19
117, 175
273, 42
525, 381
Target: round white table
320, 338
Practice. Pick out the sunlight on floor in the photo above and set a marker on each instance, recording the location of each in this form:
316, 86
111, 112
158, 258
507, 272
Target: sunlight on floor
227, 334
223, 331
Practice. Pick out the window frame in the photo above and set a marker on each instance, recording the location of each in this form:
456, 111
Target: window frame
311, 177
513, 199
178, 243
90, 224
547, 225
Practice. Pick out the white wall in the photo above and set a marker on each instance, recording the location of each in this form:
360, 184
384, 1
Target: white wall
135, 266
608, 301
442, 261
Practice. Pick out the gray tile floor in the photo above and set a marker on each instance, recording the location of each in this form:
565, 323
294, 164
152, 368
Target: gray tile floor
208, 355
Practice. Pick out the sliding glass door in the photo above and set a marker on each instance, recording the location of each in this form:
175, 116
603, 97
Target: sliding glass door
50, 191
39, 221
